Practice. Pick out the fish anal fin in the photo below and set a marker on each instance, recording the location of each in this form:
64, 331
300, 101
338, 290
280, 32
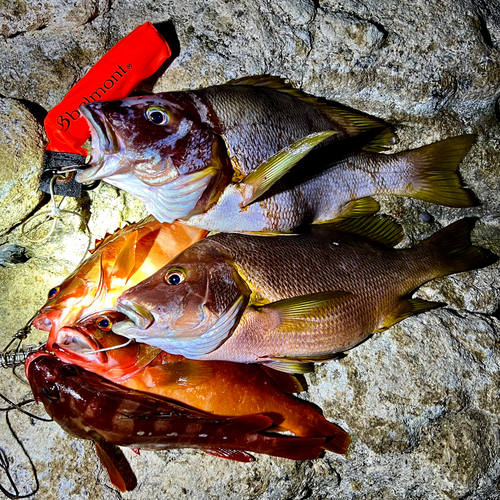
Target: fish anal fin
408, 308
359, 208
271, 170
180, 373
236, 455
287, 382
125, 261
290, 366
382, 229
120, 473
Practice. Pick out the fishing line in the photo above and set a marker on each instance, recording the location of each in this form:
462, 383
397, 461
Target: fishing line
54, 214
89, 352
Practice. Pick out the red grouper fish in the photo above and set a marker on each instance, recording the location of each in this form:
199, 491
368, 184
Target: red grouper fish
122, 259
287, 299
217, 387
216, 158
89, 407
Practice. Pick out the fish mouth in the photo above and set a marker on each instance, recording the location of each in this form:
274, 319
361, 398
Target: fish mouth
104, 139
139, 317
72, 342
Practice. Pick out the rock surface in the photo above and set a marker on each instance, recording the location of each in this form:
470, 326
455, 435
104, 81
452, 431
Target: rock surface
421, 400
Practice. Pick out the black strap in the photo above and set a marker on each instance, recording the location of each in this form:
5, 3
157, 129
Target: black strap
67, 186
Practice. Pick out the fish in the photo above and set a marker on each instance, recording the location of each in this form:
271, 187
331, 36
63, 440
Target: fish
256, 155
88, 406
285, 300
204, 385
121, 260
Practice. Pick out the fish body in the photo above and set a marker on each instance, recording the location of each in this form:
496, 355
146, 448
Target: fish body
204, 385
191, 156
90, 407
290, 298
124, 258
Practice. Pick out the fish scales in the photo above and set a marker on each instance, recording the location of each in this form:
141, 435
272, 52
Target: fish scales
303, 296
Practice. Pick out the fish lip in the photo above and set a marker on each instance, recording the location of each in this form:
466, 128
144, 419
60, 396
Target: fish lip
104, 139
70, 340
140, 316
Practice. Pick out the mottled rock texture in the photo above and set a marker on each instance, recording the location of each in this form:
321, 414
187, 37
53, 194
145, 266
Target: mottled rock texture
421, 400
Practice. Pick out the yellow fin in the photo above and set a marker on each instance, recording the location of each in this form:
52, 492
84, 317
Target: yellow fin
288, 383
180, 373
125, 262
290, 366
353, 121
270, 171
436, 177
355, 208
408, 308
299, 308
383, 228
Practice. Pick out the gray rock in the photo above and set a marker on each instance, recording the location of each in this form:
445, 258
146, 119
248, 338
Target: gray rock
421, 399
20, 163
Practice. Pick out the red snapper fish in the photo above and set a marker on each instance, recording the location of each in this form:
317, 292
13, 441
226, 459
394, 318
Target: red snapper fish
204, 385
287, 299
122, 259
216, 158
89, 407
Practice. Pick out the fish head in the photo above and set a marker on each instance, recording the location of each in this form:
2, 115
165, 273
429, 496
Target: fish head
92, 345
159, 148
189, 307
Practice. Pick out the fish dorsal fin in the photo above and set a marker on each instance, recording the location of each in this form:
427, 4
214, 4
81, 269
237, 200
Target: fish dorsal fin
354, 122
382, 229
179, 373
125, 262
120, 473
300, 308
408, 308
236, 455
270, 171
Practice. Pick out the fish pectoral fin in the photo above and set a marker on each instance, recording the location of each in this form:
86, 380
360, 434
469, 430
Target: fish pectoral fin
179, 373
308, 307
125, 262
120, 473
407, 308
382, 229
270, 171
236, 455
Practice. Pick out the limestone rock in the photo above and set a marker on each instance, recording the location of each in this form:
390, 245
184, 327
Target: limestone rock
21, 163
421, 399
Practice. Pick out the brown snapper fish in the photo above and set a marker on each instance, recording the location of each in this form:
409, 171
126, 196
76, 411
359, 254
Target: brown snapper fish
216, 158
284, 300
89, 407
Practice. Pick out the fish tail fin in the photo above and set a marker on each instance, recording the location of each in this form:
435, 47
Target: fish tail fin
454, 250
436, 177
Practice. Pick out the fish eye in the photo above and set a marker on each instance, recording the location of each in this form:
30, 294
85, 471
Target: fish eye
104, 323
53, 394
157, 115
175, 276
54, 292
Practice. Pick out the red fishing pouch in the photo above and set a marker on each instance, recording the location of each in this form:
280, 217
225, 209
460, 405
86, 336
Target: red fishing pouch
134, 58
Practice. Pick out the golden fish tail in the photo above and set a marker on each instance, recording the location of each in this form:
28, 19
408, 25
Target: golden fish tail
453, 249
436, 177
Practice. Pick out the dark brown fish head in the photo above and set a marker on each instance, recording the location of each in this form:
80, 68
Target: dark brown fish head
159, 148
51, 383
191, 305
